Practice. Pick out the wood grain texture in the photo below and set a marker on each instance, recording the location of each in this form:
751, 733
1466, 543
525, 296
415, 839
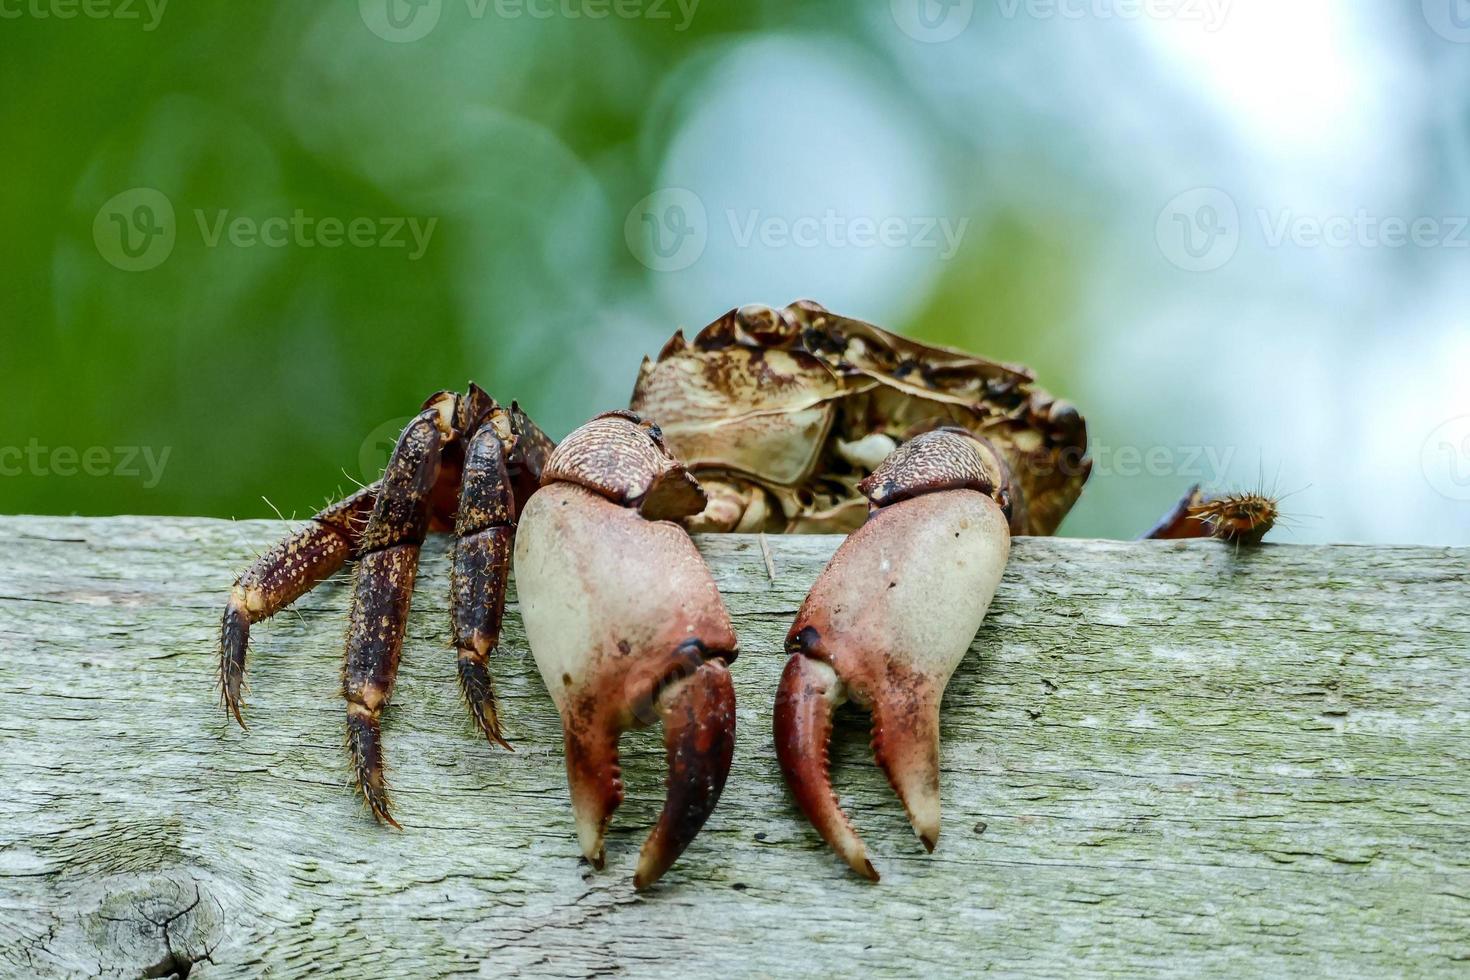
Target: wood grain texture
1157, 757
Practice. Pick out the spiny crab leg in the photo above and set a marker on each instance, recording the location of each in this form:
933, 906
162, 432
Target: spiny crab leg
382, 590
1235, 518
281, 576
464, 462
484, 527
627, 628
888, 622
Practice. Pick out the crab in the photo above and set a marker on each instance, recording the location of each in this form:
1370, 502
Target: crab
769, 420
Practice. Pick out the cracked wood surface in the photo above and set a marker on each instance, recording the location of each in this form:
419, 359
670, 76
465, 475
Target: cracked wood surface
1157, 757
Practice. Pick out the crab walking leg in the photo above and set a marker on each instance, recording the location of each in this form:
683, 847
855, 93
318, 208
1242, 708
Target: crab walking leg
530, 453
627, 628
502, 464
888, 622
1235, 518
485, 529
382, 590
1179, 522
281, 576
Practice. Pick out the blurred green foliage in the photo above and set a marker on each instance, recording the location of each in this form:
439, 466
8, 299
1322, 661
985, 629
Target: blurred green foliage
279, 373
266, 364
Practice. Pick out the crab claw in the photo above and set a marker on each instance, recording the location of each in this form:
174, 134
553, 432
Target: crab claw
628, 629
888, 622
698, 713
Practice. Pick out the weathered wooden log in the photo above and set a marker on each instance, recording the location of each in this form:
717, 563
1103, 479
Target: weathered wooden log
1158, 756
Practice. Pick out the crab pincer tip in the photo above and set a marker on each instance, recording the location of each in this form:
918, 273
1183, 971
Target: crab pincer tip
805, 701
699, 735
